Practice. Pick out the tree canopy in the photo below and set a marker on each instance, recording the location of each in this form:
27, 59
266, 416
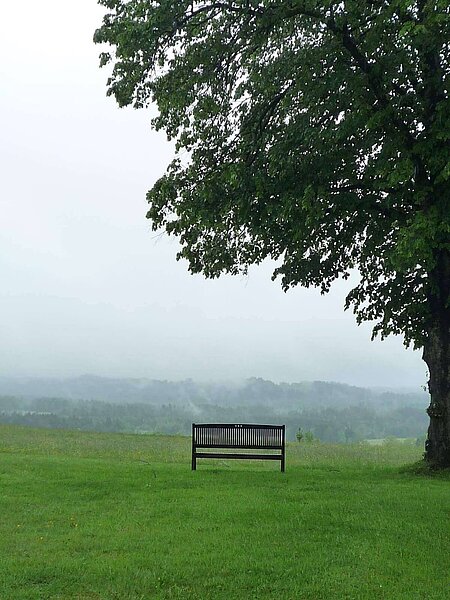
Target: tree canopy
313, 133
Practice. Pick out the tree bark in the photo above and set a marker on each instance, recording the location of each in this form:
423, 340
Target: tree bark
436, 354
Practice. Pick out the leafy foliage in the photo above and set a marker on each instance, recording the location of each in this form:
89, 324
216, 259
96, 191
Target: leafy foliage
313, 133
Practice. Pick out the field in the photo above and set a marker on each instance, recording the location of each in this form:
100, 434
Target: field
113, 516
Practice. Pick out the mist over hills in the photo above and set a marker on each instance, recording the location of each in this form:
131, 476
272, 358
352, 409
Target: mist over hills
280, 397
329, 411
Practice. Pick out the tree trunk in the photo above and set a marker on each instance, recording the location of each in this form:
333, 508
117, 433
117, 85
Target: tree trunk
436, 354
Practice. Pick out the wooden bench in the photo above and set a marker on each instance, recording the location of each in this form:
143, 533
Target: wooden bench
242, 437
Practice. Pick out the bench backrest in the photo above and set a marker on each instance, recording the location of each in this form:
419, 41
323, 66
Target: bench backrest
224, 435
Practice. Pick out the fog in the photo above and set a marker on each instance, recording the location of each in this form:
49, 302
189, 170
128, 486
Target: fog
87, 287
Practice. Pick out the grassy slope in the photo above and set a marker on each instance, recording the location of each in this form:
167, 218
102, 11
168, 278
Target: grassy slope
100, 516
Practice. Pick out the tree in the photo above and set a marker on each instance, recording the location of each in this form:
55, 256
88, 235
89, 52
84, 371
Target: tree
313, 133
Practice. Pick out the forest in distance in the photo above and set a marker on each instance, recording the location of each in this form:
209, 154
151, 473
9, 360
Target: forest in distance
330, 412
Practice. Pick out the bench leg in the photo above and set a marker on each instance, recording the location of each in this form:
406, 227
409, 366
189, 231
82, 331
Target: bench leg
194, 458
282, 464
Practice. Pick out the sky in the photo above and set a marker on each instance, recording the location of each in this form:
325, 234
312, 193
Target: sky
87, 287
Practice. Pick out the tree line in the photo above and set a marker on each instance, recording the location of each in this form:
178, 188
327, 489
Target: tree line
328, 424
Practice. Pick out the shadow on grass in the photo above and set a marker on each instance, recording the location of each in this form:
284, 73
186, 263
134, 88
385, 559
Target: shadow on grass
423, 469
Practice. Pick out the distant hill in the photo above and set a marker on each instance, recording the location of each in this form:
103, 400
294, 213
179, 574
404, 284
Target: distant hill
280, 397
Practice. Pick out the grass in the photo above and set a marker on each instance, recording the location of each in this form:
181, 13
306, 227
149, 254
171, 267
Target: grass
112, 516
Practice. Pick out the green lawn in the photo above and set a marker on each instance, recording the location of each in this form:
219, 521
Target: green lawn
103, 516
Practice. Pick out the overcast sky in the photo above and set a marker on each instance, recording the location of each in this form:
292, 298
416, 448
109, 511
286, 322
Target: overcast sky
87, 287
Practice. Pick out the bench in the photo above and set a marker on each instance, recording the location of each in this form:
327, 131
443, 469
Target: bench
235, 436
